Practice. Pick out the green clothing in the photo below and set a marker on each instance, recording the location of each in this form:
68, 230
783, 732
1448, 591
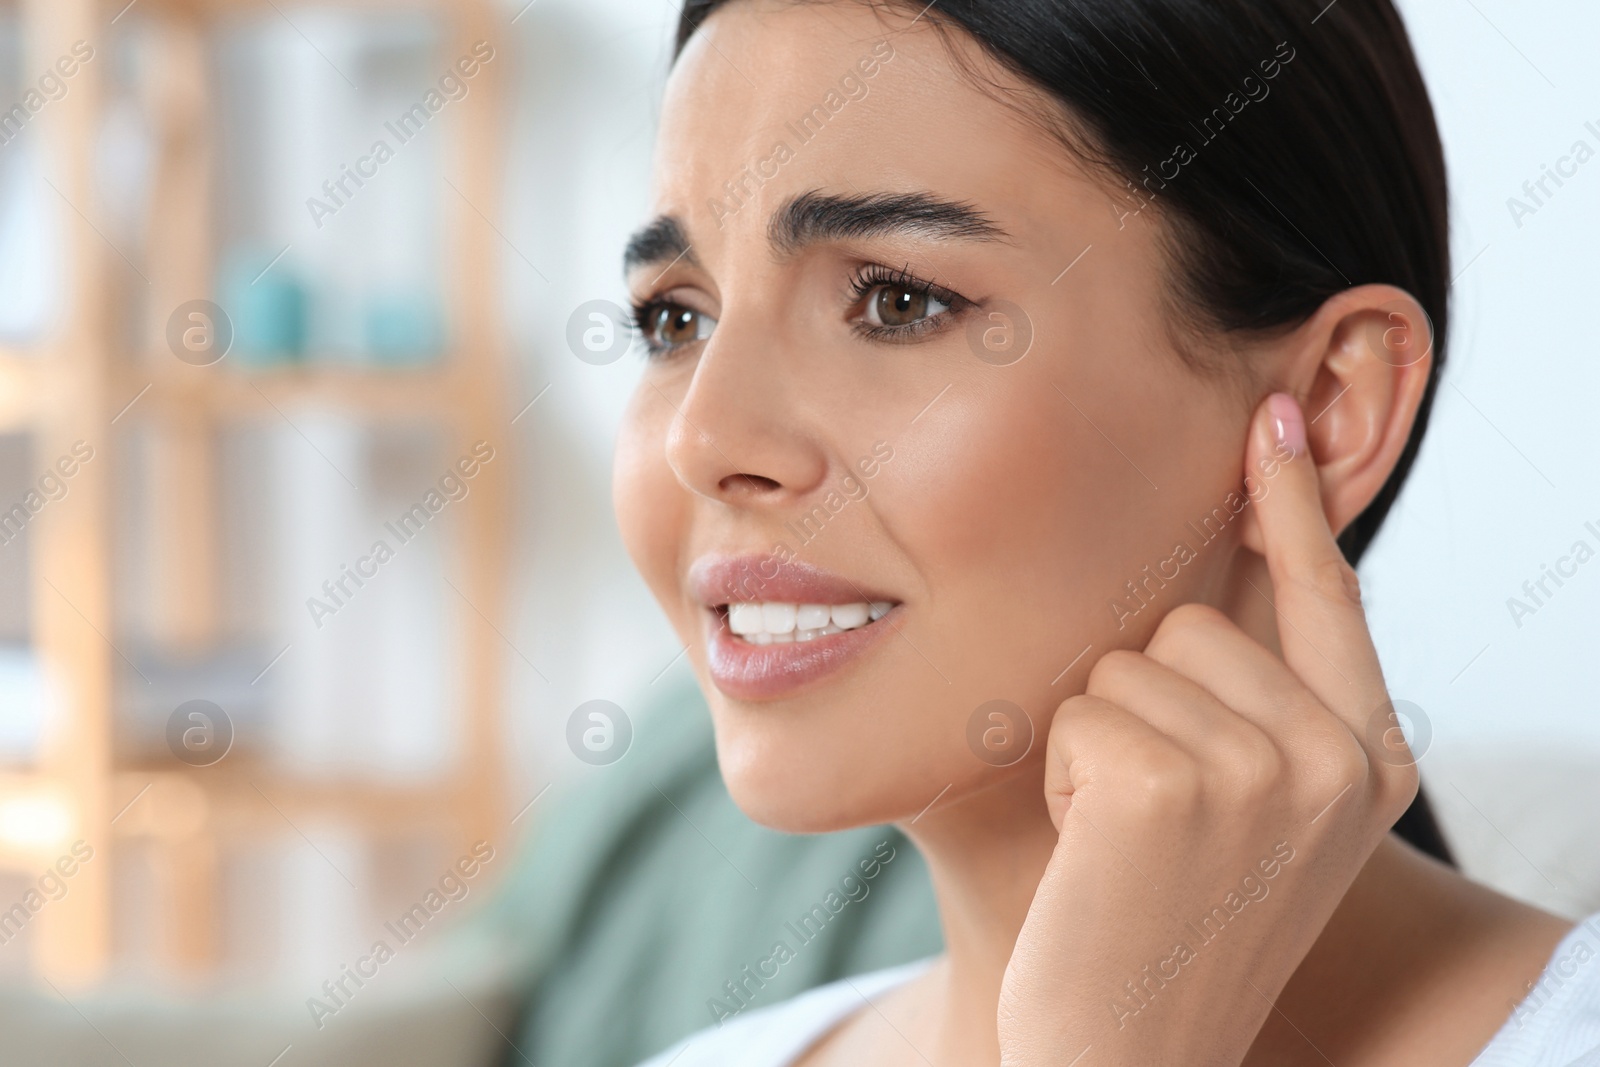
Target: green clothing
649, 905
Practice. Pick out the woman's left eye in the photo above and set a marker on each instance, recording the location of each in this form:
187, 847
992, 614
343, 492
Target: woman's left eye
666, 326
900, 305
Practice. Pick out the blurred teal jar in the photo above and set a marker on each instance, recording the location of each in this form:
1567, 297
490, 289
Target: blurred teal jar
269, 305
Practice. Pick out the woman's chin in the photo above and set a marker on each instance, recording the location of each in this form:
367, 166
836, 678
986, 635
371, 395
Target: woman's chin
795, 815
810, 794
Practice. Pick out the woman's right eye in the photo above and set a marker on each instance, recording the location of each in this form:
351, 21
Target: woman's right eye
666, 326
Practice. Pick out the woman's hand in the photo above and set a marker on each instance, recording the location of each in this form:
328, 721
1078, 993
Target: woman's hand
1214, 803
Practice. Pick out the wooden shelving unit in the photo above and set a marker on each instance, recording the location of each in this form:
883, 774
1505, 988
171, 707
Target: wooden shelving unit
86, 373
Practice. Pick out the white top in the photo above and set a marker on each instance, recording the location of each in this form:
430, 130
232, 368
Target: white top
1556, 1025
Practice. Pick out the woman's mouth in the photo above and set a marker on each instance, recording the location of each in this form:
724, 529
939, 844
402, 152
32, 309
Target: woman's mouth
773, 629
776, 622
786, 646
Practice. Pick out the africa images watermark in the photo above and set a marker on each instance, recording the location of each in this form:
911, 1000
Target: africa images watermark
1560, 970
50, 886
1538, 191
452, 487
1566, 566
50, 87
1141, 592
1211, 127
741, 989
1139, 992
452, 888
51, 486
852, 86
452, 86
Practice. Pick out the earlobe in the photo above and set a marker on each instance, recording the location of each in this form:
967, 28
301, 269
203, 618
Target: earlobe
1359, 368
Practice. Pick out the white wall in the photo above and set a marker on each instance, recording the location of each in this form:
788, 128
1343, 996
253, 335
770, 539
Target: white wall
1506, 480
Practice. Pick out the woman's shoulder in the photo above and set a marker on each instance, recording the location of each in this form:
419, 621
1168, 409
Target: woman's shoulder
774, 1036
1557, 1023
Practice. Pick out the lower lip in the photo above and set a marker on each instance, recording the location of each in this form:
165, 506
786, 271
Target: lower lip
745, 671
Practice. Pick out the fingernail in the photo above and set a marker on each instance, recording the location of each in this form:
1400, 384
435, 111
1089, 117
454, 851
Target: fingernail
1288, 424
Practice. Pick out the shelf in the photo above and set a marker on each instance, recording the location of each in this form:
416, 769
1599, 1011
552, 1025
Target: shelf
18, 387
33, 806
262, 800
89, 375
416, 392
435, 391
242, 801
20, 355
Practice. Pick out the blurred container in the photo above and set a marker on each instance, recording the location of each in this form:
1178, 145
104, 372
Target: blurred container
269, 305
403, 328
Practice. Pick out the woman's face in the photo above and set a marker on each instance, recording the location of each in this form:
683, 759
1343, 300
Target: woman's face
1009, 462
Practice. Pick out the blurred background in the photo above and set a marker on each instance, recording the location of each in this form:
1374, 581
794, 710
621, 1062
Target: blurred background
306, 552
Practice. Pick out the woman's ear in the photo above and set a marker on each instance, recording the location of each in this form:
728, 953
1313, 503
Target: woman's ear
1359, 367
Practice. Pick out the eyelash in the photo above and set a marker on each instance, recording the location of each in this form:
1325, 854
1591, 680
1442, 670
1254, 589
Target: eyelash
641, 312
863, 282
874, 275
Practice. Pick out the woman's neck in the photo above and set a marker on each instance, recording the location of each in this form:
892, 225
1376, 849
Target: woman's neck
986, 855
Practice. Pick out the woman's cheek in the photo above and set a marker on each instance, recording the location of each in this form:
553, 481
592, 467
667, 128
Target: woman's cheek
1026, 524
648, 499
1003, 495
981, 502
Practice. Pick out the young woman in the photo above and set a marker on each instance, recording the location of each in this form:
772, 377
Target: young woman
1025, 378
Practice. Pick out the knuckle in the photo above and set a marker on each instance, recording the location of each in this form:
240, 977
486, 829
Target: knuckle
1112, 669
1057, 774
1070, 718
1258, 768
1397, 788
1333, 579
1195, 615
1076, 709
1181, 626
1342, 763
1156, 783
1332, 763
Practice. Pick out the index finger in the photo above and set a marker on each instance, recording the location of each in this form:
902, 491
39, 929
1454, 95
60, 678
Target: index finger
1322, 627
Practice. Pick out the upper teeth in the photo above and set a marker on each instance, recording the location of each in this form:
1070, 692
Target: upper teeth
775, 620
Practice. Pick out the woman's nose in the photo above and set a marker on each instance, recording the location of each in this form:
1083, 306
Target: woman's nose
739, 435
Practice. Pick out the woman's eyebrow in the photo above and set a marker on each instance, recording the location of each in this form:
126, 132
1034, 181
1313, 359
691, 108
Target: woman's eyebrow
661, 241
814, 217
